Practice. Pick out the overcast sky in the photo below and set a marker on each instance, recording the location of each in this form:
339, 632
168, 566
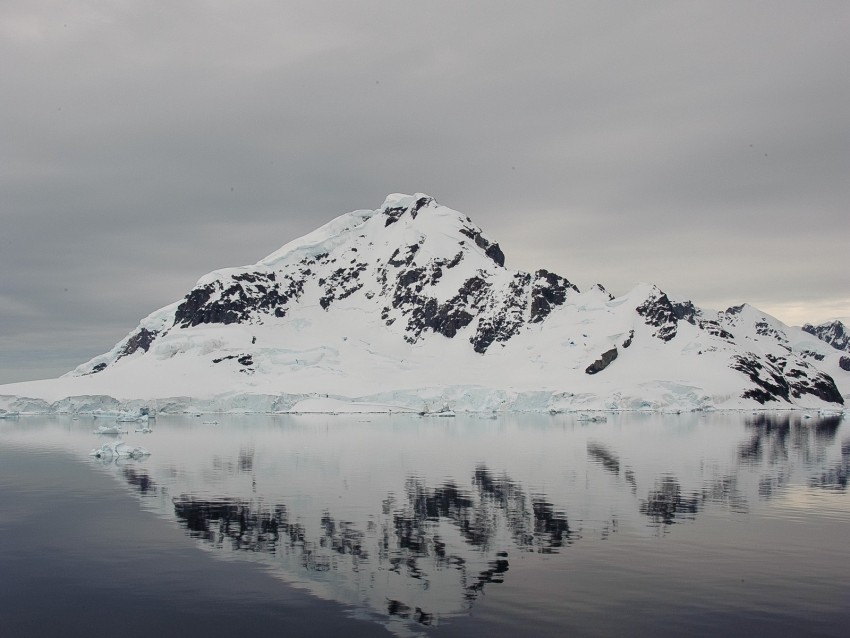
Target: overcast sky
701, 146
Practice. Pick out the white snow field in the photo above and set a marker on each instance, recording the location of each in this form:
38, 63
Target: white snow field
409, 308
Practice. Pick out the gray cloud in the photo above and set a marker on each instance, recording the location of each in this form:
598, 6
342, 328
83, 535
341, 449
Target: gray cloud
701, 146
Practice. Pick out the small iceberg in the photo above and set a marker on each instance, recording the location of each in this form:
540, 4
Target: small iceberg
9, 415
126, 417
119, 450
145, 430
444, 411
210, 422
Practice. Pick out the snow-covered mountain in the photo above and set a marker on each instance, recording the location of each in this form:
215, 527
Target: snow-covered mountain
411, 307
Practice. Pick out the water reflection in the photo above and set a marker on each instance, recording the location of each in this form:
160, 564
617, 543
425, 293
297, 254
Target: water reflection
429, 533
775, 437
835, 477
139, 479
405, 545
667, 502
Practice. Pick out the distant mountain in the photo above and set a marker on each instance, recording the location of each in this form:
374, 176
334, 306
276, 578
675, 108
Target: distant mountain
833, 332
411, 307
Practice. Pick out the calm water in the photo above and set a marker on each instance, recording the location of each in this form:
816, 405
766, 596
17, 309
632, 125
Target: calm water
704, 524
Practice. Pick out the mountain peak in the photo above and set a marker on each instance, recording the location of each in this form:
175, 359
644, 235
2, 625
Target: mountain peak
401, 201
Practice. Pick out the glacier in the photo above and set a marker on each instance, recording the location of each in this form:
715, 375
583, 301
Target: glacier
410, 308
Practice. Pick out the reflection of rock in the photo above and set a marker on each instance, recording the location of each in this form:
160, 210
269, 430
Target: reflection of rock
835, 477
139, 479
243, 524
422, 550
774, 437
667, 502
549, 528
604, 456
447, 539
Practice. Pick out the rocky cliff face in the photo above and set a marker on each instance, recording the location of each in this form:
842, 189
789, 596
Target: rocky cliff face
834, 333
413, 273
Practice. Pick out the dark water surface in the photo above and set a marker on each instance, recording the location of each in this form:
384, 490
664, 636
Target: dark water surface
699, 524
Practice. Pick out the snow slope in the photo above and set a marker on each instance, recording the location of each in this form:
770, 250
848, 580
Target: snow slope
410, 307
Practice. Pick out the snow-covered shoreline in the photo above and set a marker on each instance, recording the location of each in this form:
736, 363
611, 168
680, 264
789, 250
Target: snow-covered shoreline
423, 401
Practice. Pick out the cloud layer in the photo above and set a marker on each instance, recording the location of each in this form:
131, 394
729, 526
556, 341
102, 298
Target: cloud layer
699, 146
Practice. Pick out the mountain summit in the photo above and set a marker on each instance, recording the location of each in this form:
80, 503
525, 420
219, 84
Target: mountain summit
411, 306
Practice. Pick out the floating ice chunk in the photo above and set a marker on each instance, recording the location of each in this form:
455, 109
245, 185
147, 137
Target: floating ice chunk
103, 452
443, 411
131, 451
125, 417
119, 449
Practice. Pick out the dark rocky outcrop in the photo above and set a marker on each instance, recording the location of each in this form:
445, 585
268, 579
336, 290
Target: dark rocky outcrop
342, 283
764, 329
549, 290
237, 298
659, 312
815, 383
769, 381
685, 311
602, 362
713, 328
781, 378
834, 333
490, 249
141, 340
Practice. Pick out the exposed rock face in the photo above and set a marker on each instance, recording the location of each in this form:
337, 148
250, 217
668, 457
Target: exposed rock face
834, 333
142, 339
781, 378
685, 311
240, 298
602, 362
770, 384
659, 312
548, 291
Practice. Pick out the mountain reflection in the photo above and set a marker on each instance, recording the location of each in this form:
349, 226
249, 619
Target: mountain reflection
431, 531
242, 524
667, 502
428, 550
835, 477
775, 441
139, 479
775, 437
